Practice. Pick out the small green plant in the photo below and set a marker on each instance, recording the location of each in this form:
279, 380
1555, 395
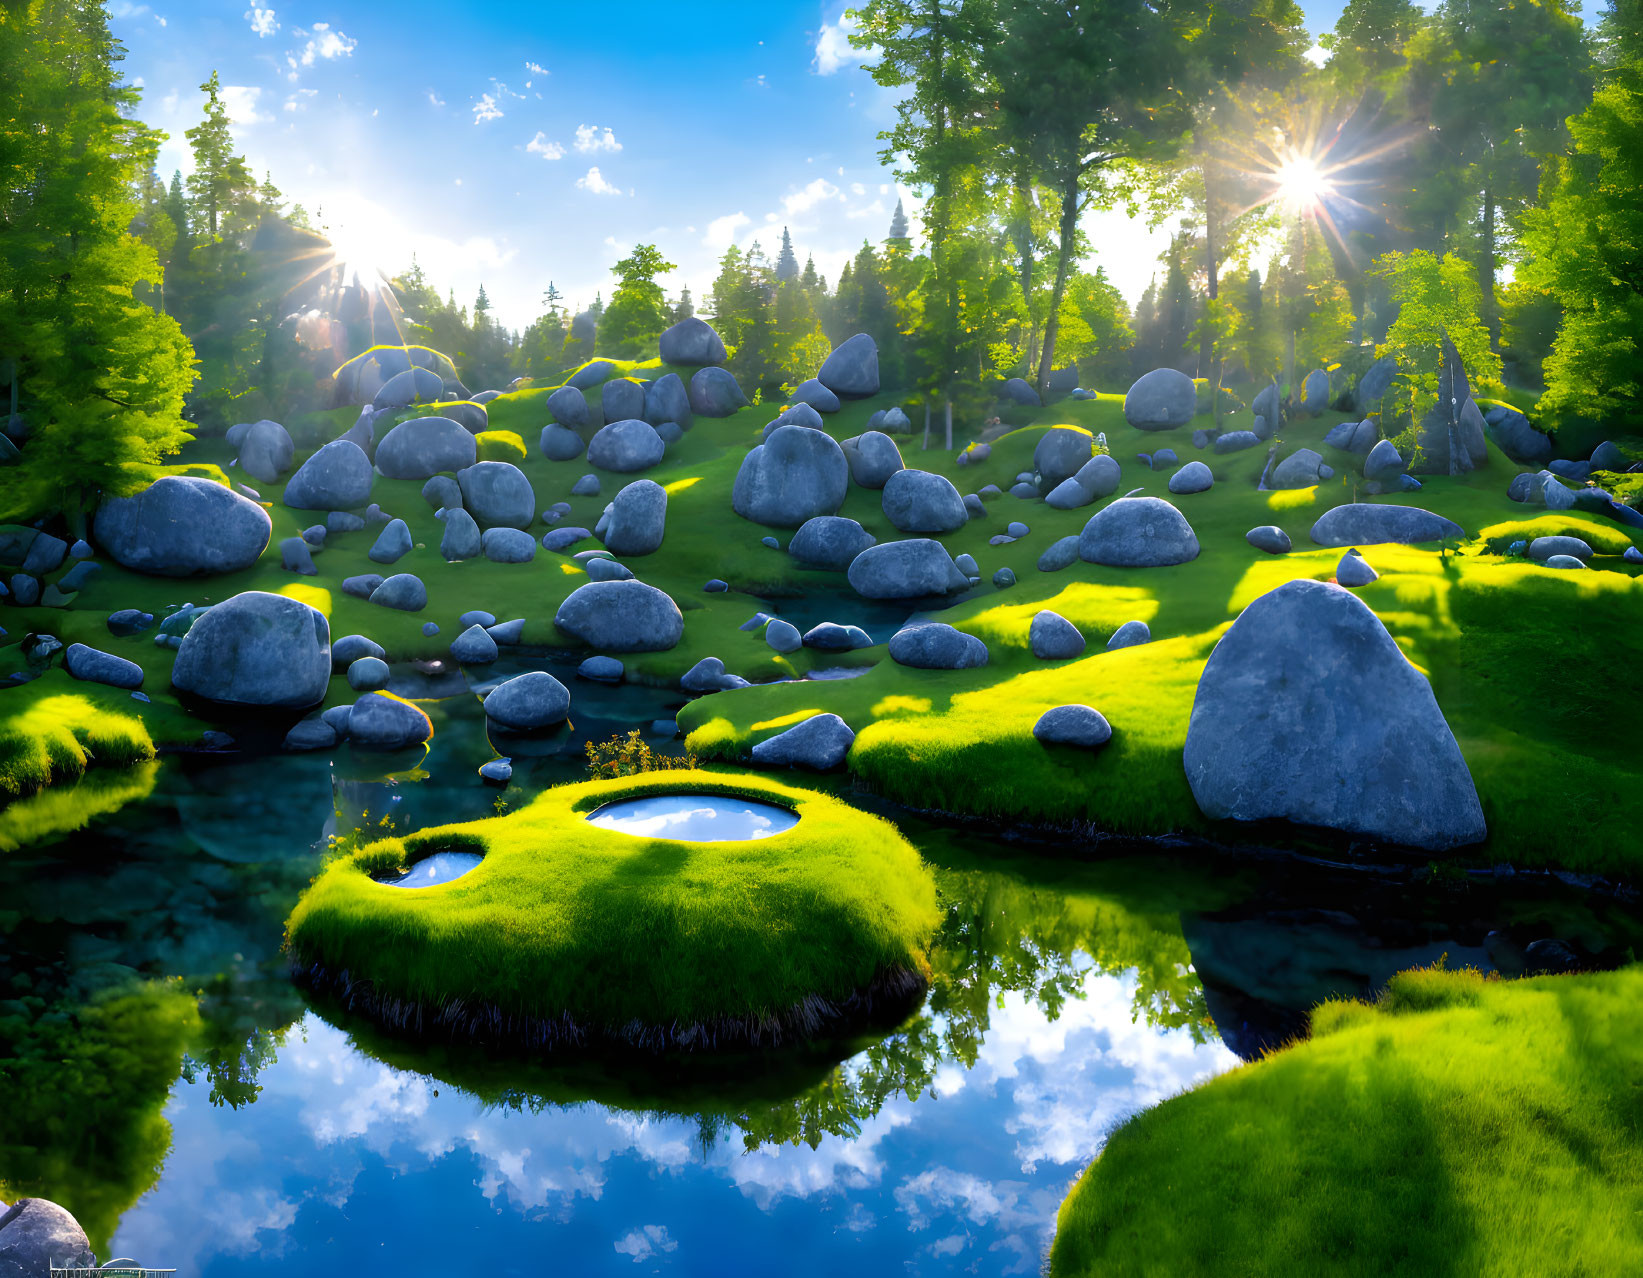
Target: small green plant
366, 832
625, 756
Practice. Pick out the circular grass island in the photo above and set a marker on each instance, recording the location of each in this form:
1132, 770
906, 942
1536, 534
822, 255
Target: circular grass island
569, 933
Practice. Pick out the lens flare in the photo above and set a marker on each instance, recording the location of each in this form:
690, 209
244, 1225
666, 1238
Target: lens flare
1301, 185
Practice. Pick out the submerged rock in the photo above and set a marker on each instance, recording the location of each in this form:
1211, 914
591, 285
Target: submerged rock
379, 721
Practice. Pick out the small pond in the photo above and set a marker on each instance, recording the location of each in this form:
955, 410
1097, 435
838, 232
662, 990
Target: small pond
695, 818
431, 871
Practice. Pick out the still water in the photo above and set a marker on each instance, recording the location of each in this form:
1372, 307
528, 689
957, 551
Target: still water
173, 1088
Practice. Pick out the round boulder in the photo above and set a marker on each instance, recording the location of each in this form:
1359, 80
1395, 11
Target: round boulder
265, 451
529, 702
425, 446
380, 721
829, 541
667, 400
337, 477
796, 475
36, 1234
820, 742
873, 458
1053, 638
638, 519
913, 569
497, 493
1543, 548
714, 392
1161, 400
1061, 453
934, 645
817, 396
626, 446
1074, 725
1270, 538
1194, 477
561, 443
569, 407
182, 526
918, 501
852, 370
691, 342
621, 616
1138, 532
256, 649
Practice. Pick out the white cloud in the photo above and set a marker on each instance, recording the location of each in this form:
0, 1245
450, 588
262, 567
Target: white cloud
262, 22
642, 1244
595, 181
125, 9
539, 145
721, 231
590, 138
486, 109
299, 100
833, 44
325, 43
808, 196
1317, 55
536, 68
435, 98
241, 103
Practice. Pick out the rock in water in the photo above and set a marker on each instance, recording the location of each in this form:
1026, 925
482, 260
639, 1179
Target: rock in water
621, 616
829, 541
1161, 400
852, 370
820, 742
691, 342
379, 721
180, 526
256, 649
911, 569
1138, 532
796, 475
1308, 711
337, 477
530, 702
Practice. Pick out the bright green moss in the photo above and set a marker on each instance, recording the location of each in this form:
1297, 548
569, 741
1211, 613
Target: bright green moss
52, 729
575, 929
1459, 1126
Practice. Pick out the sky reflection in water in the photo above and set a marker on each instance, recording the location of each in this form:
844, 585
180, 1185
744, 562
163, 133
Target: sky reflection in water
694, 818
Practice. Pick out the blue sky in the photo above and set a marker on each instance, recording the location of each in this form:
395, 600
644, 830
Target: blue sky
509, 144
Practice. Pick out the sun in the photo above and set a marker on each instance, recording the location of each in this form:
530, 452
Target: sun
355, 254
1301, 185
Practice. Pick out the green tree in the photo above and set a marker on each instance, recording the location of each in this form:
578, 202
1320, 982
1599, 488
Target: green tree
99, 376
220, 186
1436, 297
638, 310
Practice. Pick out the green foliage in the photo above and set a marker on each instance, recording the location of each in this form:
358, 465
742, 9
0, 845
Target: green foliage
638, 311
1479, 1125
629, 755
49, 734
1435, 297
565, 918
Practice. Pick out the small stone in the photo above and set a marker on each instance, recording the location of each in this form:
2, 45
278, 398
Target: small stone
310, 734
497, 771
601, 670
783, 636
716, 586
314, 535
1004, 578
430, 629
392, 544
509, 633
473, 647
587, 486
363, 586
1564, 561
1270, 538
1129, 635
296, 556
1051, 637
1061, 554
1194, 477
1074, 725
403, 592
601, 569
95, 666
1354, 570
368, 674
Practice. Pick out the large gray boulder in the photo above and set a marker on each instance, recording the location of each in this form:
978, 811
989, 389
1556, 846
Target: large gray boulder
561, 443
461, 539
1452, 439
265, 451
626, 446
1307, 711
1353, 437
425, 446
181, 526
1315, 391
918, 501
1540, 550
337, 477
497, 493
595, 370
621, 398
1060, 454
1384, 462
1515, 436
379, 722
1298, 470
1366, 523
817, 396
829, 541
1161, 400
1373, 384
96, 666
569, 407
913, 569
1020, 392
1100, 476
852, 370
621, 616
934, 645
714, 392
638, 519
1138, 532
528, 702
36, 1234
821, 742
691, 342
873, 458
256, 649
797, 474
505, 545
667, 400
412, 386
1268, 404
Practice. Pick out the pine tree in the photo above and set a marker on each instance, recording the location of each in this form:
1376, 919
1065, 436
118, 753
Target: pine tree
685, 307
787, 263
898, 224
809, 281
220, 182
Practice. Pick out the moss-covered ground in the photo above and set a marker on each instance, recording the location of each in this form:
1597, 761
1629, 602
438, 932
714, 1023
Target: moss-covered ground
1460, 1125
610, 935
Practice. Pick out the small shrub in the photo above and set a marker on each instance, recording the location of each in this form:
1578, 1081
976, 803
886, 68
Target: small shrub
625, 756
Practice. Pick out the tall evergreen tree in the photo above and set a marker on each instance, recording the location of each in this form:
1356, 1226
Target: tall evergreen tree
220, 183
898, 224
787, 263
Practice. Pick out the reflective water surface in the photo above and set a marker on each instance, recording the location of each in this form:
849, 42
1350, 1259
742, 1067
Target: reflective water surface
165, 1080
434, 869
694, 818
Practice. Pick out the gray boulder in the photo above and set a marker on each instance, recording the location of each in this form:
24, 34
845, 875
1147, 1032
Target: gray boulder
667, 400
1298, 470
1516, 437
1051, 637
783, 636
1384, 462
95, 666
1069, 494
1354, 570
561, 443
1308, 711
1564, 561
256, 649
497, 493
425, 446
1373, 384
714, 392
181, 526
362, 586
829, 541
1543, 548
470, 416
830, 636
309, 734
1607, 456
507, 545
379, 722
1194, 477
1100, 475
601, 670
796, 475
569, 407
1073, 725
817, 396
1270, 538
595, 370
45, 554
919, 501
1060, 554
36, 1234
1019, 391
530, 702
1315, 391
473, 647
1367, 523
799, 414
1129, 635
1267, 404
626, 446
265, 451
621, 616
1138, 532
709, 675
461, 539
852, 370
1353, 437
403, 592
873, 458
442, 493
337, 477
691, 342
1161, 400
368, 674
820, 742
393, 543
560, 540
913, 569
934, 645
295, 556
638, 519
412, 386
1234, 441
621, 398
1061, 453
1554, 494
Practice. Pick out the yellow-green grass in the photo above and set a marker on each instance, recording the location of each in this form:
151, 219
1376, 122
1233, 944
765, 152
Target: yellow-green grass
569, 931
52, 729
1460, 1125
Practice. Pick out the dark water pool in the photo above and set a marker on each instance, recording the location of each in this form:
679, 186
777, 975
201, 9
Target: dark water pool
169, 1084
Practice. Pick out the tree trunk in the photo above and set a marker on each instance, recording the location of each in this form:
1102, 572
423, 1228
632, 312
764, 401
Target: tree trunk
949, 425
1063, 268
1207, 360
1486, 269
927, 412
